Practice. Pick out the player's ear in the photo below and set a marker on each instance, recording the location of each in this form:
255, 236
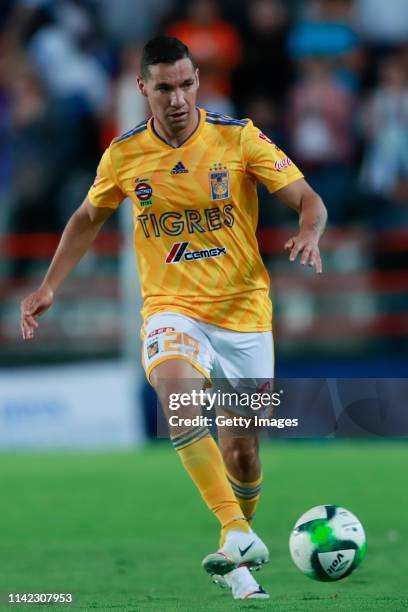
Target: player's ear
142, 86
197, 76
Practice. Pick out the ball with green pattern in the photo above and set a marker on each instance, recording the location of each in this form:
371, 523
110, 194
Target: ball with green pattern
327, 543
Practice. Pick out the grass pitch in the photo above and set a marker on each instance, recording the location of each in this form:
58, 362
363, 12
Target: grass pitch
127, 531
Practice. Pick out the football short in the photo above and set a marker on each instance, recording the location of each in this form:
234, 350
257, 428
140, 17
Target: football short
244, 360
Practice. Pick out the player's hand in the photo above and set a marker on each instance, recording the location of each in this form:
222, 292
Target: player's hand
32, 307
306, 244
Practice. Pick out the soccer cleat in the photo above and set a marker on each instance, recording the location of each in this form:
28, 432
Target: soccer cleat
240, 548
241, 583
260, 593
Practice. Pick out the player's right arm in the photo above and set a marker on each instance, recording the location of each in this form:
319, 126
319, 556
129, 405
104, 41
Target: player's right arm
81, 230
79, 233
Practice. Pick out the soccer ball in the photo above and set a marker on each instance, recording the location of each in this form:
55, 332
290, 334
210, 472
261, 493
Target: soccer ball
327, 543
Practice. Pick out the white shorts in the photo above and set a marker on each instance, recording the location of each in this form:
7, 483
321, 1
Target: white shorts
218, 353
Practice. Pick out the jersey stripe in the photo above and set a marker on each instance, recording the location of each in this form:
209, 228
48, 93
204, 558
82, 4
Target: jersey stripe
132, 129
139, 128
225, 122
220, 116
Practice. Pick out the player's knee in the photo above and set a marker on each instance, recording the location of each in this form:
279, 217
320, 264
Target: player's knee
245, 459
242, 459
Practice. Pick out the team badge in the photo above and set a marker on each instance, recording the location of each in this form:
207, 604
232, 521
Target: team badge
219, 182
152, 349
143, 192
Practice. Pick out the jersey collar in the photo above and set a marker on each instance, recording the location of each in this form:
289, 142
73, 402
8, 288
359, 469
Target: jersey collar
192, 138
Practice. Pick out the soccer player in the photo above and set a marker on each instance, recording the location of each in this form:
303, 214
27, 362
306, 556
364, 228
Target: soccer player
191, 175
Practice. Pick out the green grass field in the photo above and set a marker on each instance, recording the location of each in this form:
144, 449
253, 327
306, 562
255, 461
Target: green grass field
128, 531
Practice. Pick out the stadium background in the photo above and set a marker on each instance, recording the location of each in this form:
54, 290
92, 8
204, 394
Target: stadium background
327, 80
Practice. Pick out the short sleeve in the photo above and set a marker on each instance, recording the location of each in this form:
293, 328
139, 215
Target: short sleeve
105, 192
265, 161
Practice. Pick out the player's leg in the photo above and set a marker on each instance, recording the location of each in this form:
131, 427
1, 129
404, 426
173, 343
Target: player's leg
241, 459
178, 357
195, 446
243, 466
237, 361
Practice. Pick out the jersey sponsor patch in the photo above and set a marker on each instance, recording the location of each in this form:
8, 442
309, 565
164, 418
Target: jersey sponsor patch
219, 182
179, 252
282, 164
160, 330
143, 192
263, 136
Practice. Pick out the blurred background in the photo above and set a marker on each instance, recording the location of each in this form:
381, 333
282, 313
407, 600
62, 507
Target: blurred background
326, 79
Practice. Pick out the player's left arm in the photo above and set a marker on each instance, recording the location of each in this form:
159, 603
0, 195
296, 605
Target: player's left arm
312, 221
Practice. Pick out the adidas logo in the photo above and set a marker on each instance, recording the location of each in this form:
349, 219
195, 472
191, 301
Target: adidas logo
179, 168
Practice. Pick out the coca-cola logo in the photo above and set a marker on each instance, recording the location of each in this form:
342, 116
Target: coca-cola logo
282, 164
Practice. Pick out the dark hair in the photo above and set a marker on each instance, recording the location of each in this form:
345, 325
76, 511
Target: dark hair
163, 50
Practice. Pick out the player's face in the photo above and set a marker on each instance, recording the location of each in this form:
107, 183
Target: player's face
171, 90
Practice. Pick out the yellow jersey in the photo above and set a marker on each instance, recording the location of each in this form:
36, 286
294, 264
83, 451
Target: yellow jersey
195, 216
